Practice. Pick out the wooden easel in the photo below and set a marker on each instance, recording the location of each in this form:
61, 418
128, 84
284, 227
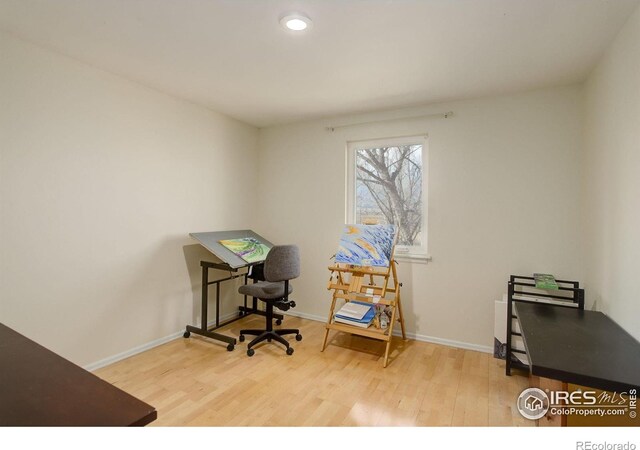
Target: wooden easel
366, 284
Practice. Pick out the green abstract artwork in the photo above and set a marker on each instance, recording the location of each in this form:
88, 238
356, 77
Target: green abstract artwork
249, 249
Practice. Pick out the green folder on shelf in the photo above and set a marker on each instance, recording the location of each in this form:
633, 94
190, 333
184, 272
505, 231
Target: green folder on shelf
545, 281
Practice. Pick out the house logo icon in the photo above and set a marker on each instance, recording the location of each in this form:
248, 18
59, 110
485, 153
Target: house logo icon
533, 403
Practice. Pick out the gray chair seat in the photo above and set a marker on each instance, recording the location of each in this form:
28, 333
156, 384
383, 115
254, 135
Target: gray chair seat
264, 290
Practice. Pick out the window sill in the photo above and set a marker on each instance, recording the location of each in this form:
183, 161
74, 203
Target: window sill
409, 258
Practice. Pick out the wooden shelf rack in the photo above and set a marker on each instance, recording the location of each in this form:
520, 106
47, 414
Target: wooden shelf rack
375, 285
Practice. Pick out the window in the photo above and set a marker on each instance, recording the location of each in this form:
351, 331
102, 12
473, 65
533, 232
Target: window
386, 184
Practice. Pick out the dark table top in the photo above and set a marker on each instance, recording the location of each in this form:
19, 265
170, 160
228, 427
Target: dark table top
40, 388
580, 347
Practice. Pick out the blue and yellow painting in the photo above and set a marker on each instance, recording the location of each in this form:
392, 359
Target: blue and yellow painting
366, 245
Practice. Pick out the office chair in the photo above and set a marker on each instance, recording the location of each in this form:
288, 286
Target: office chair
281, 265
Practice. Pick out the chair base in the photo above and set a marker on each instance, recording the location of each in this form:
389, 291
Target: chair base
269, 335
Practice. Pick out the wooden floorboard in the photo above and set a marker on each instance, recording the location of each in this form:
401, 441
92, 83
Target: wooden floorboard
196, 382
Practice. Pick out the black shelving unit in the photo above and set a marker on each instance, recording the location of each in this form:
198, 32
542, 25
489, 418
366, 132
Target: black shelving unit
523, 289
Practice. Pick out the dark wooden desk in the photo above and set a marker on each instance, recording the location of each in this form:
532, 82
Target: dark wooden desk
580, 347
40, 388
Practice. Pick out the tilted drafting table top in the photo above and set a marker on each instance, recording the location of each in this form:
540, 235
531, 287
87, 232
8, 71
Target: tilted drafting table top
210, 241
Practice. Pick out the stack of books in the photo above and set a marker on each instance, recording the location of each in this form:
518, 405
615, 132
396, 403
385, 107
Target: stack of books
358, 314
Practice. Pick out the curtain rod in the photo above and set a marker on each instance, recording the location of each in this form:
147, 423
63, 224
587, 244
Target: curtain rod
446, 115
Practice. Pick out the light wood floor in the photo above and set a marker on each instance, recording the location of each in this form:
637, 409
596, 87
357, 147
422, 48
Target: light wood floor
196, 382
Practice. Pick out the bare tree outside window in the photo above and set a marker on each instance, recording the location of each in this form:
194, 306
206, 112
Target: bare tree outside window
389, 189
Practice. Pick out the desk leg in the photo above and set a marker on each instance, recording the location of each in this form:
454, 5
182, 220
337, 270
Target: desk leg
205, 299
246, 279
547, 385
203, 330
217, 305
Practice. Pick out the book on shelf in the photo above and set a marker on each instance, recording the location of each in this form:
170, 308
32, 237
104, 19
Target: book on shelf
354, 310
354, 323
545, 281
363, 322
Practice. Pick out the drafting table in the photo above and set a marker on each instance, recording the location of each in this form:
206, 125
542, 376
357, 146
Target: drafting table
40, 388
231, 263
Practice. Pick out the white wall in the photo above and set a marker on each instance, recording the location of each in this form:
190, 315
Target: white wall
504, 189
612, 179
101, 180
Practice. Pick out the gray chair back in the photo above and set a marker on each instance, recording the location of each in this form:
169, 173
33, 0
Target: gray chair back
282, 263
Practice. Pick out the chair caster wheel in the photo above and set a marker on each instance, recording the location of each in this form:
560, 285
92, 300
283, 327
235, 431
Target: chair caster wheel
279, 322
186, 334
289, 351
230, 347
298, 337
241, 338
251, 352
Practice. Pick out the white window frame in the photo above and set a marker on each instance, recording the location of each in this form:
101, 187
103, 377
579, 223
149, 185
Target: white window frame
402, 252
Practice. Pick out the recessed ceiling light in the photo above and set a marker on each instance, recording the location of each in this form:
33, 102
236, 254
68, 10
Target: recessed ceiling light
295, 22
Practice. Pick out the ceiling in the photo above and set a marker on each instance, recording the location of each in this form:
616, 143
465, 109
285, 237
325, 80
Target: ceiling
360, 55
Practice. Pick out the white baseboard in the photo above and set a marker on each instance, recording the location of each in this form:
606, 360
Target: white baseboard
149, 345
417, 337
